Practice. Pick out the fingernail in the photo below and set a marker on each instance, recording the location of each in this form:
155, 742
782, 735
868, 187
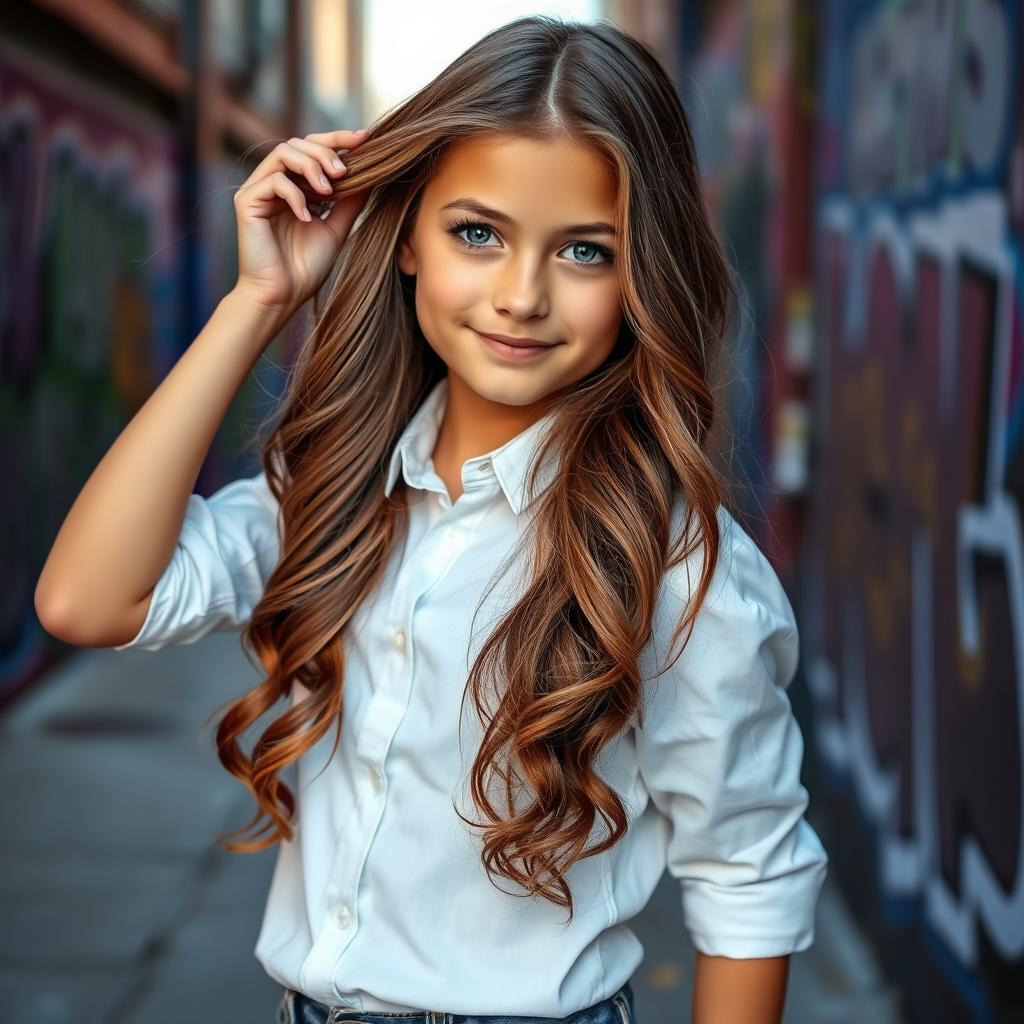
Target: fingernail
363, 131
324, 183
337, 164
306, 215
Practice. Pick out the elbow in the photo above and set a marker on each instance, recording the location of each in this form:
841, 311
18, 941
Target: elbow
69, 623
57, 616
95, 622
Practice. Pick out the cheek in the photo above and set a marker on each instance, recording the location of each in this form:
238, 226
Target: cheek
595, 312
447, 284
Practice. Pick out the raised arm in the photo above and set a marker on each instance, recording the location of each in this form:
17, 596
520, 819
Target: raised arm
121, 531
119, 536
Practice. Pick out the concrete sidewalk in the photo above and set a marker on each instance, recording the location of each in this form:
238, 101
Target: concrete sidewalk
118, 907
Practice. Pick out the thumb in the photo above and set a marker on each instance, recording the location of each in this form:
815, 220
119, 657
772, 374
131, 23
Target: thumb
344, 212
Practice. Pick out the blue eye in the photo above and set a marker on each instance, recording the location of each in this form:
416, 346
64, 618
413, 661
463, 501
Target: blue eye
470, 226
456, 229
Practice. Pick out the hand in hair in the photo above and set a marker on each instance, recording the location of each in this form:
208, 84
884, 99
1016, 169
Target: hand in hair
284, 251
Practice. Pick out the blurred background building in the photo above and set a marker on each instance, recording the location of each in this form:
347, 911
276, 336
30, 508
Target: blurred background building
865, 164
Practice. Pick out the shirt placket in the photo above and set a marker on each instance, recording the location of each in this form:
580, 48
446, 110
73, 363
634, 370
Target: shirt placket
423, 570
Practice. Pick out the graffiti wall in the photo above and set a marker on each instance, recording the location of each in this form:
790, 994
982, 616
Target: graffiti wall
731, 105
913, 617
748, 92
88, 311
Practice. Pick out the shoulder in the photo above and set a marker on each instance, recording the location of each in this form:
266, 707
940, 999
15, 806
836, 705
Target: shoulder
227, 548
246, 502
746, 611
250, 494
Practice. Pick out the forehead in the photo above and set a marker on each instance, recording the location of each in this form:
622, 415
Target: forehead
527, 178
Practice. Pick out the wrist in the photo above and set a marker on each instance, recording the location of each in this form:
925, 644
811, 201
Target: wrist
265, 321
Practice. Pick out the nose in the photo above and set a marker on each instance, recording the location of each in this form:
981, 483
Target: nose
522, 290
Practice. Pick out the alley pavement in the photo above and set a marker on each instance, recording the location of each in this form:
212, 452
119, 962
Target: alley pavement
118, 907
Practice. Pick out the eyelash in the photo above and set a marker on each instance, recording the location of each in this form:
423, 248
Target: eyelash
461, 225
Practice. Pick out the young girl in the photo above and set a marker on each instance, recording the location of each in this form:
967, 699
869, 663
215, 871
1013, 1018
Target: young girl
485, 518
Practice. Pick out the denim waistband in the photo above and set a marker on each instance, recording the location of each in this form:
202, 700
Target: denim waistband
295, 1008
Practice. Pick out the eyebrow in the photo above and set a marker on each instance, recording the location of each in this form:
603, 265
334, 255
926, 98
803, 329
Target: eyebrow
597, 227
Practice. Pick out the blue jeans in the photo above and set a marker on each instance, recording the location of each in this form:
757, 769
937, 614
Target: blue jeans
295, 1008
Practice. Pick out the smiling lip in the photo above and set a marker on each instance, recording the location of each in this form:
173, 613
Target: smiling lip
517, 342
515, 350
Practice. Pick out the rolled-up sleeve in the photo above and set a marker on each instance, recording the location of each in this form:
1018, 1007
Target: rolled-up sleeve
228, 546
721, 753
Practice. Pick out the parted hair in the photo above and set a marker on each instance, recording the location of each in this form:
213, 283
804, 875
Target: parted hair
633, 437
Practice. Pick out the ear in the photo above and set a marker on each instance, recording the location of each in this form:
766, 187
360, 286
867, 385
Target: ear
406, 258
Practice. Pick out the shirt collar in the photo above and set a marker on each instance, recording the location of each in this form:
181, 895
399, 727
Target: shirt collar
510, 462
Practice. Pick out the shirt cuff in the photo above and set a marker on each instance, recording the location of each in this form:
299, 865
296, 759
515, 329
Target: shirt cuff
719, 917
744, 947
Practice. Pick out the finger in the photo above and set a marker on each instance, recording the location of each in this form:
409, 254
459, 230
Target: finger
277, 159
325, 156
344, 212
343, 138
259, 197
285, 157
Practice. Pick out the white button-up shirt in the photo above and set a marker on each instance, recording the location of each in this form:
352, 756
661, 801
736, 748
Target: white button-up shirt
380, 901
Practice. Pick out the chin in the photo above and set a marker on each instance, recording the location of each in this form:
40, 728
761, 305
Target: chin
522, 392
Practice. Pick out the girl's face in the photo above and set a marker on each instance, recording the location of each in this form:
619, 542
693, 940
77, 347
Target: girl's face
515, 237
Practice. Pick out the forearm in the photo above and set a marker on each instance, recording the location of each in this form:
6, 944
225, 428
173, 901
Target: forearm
121, 530
749, 991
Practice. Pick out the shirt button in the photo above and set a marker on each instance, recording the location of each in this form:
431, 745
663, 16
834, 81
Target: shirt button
399, 639
376, 779
485, 466
343, 915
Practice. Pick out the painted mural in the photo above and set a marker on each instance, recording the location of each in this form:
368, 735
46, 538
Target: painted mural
734, 78
116, 246
88, 312
913, 594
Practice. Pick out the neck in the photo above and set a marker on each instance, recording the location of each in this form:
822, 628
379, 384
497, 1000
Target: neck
473, 425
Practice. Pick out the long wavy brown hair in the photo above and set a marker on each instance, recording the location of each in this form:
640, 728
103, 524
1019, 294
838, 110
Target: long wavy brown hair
632, 436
